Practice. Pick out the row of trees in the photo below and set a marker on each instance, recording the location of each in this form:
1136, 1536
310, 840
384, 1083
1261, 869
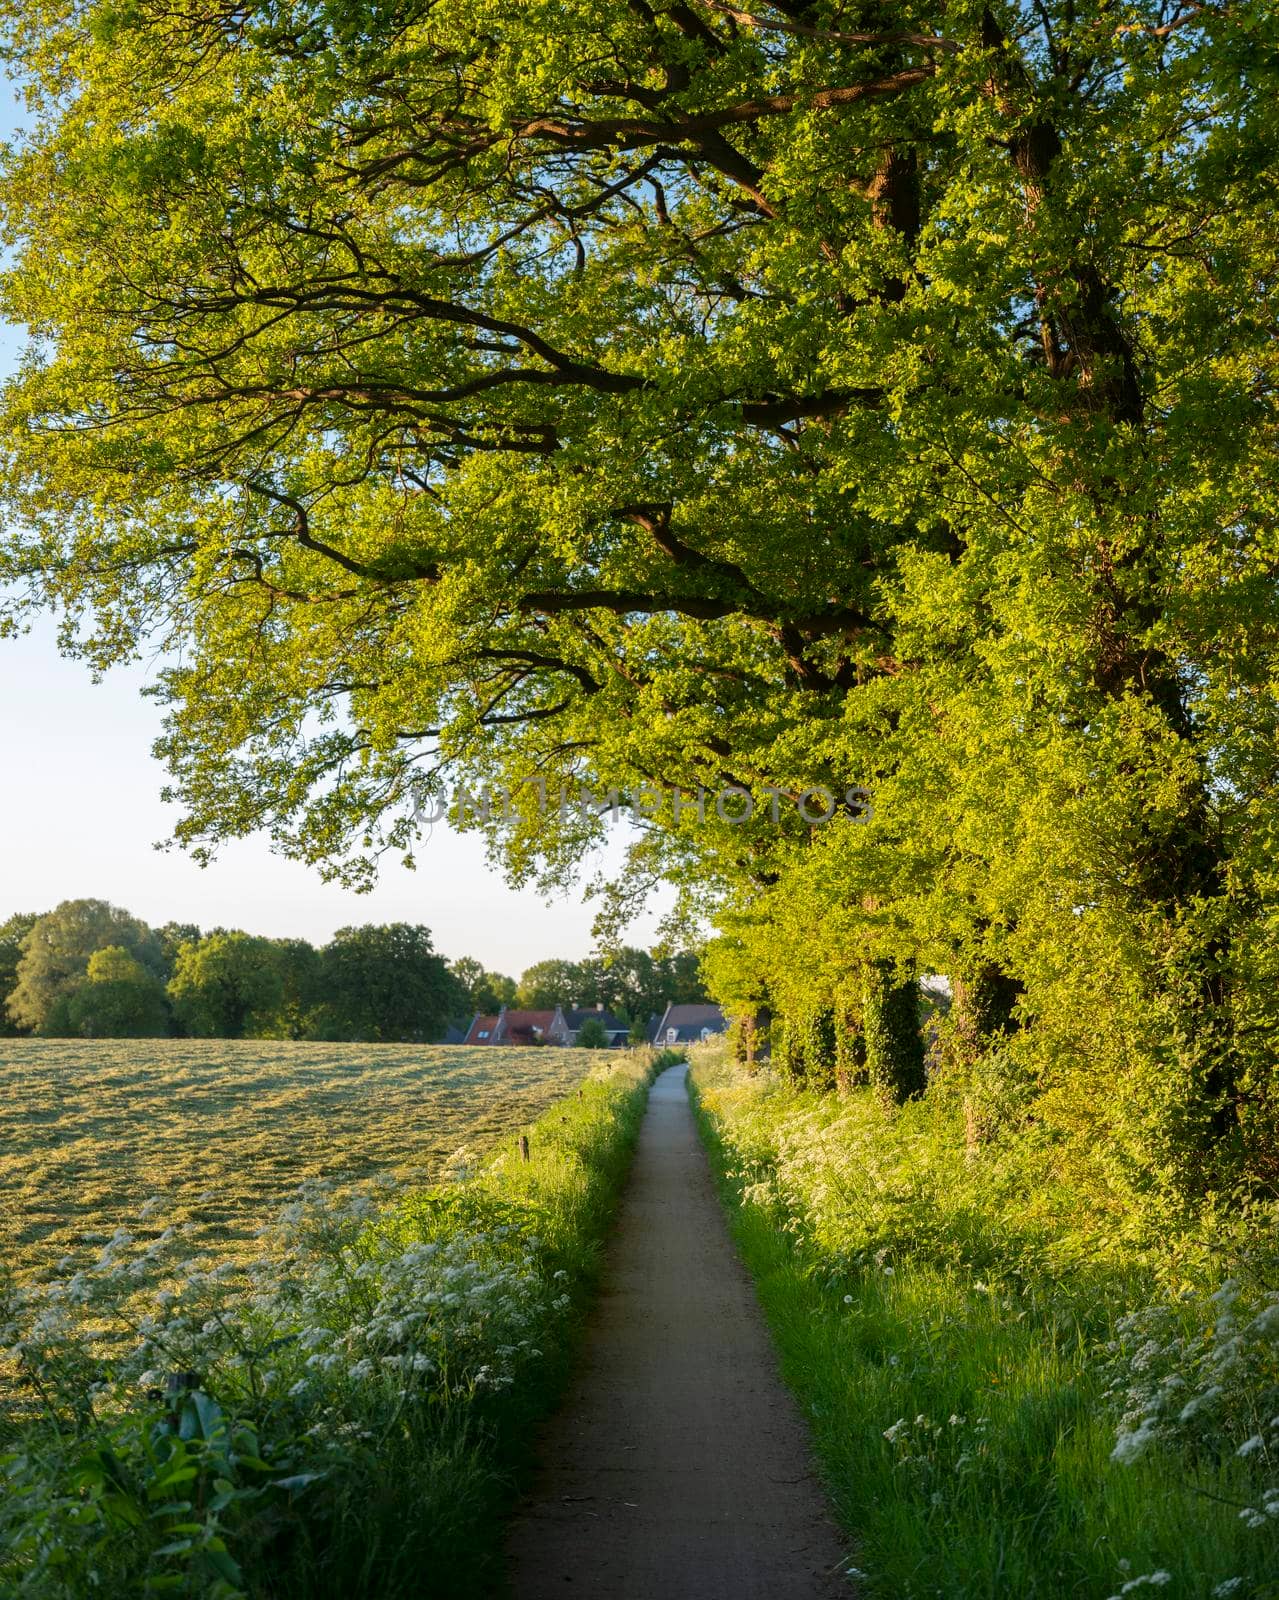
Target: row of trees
677, 396
633, 984
90, 969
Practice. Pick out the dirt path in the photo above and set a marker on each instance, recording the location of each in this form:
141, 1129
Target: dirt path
678, 1468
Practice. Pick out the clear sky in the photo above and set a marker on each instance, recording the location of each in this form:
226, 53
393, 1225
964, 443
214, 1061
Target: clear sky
80, 814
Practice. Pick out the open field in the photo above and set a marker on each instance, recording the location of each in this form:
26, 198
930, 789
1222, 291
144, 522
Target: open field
90, 1130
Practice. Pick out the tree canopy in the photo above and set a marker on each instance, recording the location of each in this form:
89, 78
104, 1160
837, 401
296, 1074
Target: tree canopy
633, 983
56, 953
483, 992
91, 970
386, 984
671, 394
225, 986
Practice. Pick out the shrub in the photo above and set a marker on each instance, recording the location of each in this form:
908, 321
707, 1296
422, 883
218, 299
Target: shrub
668, 1058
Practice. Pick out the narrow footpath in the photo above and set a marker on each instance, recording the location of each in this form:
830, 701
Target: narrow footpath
678, 1468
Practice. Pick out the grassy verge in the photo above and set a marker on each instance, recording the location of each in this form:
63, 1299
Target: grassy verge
347, 1414
999, 1411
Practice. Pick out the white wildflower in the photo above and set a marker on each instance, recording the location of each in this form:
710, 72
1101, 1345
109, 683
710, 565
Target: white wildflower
1132, 1445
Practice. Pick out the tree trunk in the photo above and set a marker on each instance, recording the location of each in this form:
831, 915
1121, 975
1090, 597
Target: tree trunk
894, 1044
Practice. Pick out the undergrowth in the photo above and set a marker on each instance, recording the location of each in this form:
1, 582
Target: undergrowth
1013, 1389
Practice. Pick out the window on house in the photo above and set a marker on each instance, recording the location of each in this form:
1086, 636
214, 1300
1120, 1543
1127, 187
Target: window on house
482, 1034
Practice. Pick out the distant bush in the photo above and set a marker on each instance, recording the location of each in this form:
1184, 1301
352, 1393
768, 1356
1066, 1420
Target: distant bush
117, 999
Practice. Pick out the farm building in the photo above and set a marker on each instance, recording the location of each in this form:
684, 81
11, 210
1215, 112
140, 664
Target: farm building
518, 1028
560, 1026
689, 1024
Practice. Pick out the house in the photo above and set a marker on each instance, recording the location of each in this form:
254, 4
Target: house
689, 1024
516, 1027
619, 1032
481, 1030
526, 1027
682, 1024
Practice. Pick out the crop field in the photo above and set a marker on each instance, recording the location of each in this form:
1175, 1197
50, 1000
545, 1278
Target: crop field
226, 1130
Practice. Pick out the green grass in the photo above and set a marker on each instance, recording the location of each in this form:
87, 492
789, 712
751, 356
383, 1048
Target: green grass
90, 1130
431, 1524
991, 1380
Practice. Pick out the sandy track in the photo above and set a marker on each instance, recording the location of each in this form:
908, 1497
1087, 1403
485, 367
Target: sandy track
678, 1468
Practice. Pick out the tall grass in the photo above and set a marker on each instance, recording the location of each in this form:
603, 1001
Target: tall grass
997, 1380
346, 1415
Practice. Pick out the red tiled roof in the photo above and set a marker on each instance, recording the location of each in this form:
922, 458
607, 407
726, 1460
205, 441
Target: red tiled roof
524, 1022
485, 1025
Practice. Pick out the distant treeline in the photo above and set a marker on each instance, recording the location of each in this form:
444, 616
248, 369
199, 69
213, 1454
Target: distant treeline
88, 969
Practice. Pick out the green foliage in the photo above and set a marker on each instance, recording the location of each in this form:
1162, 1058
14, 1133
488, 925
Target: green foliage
630, 982
547, 984
56, 954
787, 1055
814, 1042
12, 934
95, 971
226, 986
386, 984
592, 1035
893, 1044
171, 937
118, 999
996, 1362
851, 1066
481, 992
298, 966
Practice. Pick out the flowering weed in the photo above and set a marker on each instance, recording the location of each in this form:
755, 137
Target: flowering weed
1015, 1386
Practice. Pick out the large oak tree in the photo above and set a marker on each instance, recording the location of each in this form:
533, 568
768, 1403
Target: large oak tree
682, 393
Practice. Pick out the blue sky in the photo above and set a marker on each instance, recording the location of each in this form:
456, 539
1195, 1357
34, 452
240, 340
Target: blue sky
80, 814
